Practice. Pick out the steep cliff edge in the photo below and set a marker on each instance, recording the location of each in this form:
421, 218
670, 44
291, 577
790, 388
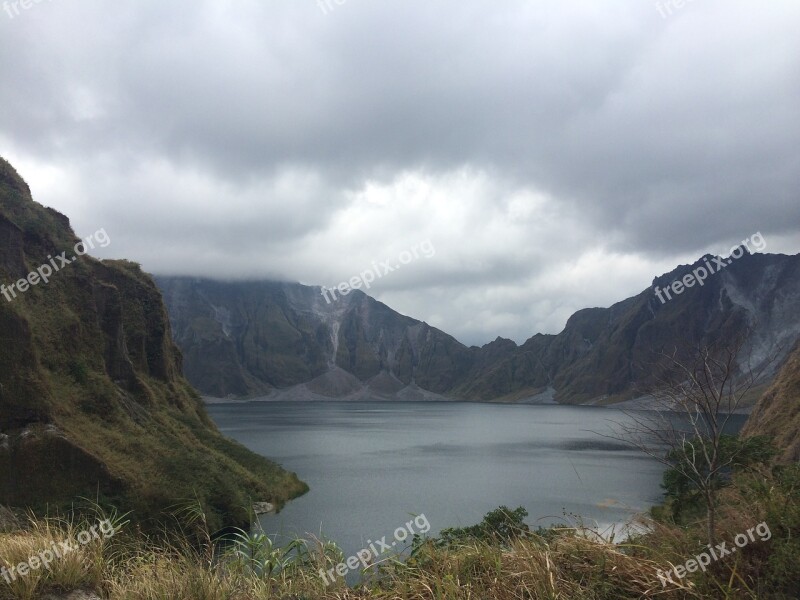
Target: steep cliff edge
777, 413
92, 400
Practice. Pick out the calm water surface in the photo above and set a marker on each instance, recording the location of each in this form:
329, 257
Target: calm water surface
372, 464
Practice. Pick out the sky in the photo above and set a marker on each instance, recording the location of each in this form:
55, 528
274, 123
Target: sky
554, 155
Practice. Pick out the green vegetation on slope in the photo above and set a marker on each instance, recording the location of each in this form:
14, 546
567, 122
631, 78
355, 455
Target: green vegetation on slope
777, 414
92, 400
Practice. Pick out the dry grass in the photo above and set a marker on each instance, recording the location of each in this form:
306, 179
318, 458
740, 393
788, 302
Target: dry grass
558, 564
82, 568
568, 566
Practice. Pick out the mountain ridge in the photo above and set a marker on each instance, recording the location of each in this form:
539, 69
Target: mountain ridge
601, 355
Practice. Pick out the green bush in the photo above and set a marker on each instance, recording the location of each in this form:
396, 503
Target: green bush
501, 525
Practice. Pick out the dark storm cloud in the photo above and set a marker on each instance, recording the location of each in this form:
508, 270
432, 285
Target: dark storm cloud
557, 154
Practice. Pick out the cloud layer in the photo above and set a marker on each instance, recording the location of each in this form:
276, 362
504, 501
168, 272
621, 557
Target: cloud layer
557, 155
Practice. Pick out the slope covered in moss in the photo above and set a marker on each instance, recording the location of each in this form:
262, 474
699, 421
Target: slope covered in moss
92, 400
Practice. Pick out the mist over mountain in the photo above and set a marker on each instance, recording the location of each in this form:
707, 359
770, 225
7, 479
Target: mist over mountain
246, 339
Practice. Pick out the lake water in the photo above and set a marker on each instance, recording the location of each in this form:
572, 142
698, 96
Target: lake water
371, 465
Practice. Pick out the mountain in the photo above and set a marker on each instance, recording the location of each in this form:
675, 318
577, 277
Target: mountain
92, 400
609, 354
245, 339
777, 413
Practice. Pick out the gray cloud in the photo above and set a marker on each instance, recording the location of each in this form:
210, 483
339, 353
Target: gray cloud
558, 155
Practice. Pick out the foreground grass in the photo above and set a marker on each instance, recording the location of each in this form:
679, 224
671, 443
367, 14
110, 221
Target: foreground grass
558, 563
568, 566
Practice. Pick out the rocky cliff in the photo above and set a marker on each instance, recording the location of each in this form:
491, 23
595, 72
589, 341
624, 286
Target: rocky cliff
284, 339
245, 339
92, 400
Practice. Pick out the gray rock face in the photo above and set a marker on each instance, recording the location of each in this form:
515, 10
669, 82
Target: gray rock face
280, 335
284, 340
263, 508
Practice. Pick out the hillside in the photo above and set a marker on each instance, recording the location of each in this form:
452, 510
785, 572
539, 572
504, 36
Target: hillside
92, 400
777, 413
247, 339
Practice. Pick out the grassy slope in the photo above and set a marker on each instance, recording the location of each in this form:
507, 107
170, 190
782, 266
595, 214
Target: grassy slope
88, 369
777, 413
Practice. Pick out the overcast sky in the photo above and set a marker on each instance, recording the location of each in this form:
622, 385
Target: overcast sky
557, 155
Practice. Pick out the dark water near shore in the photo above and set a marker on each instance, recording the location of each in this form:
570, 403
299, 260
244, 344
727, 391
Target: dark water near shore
371, 465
